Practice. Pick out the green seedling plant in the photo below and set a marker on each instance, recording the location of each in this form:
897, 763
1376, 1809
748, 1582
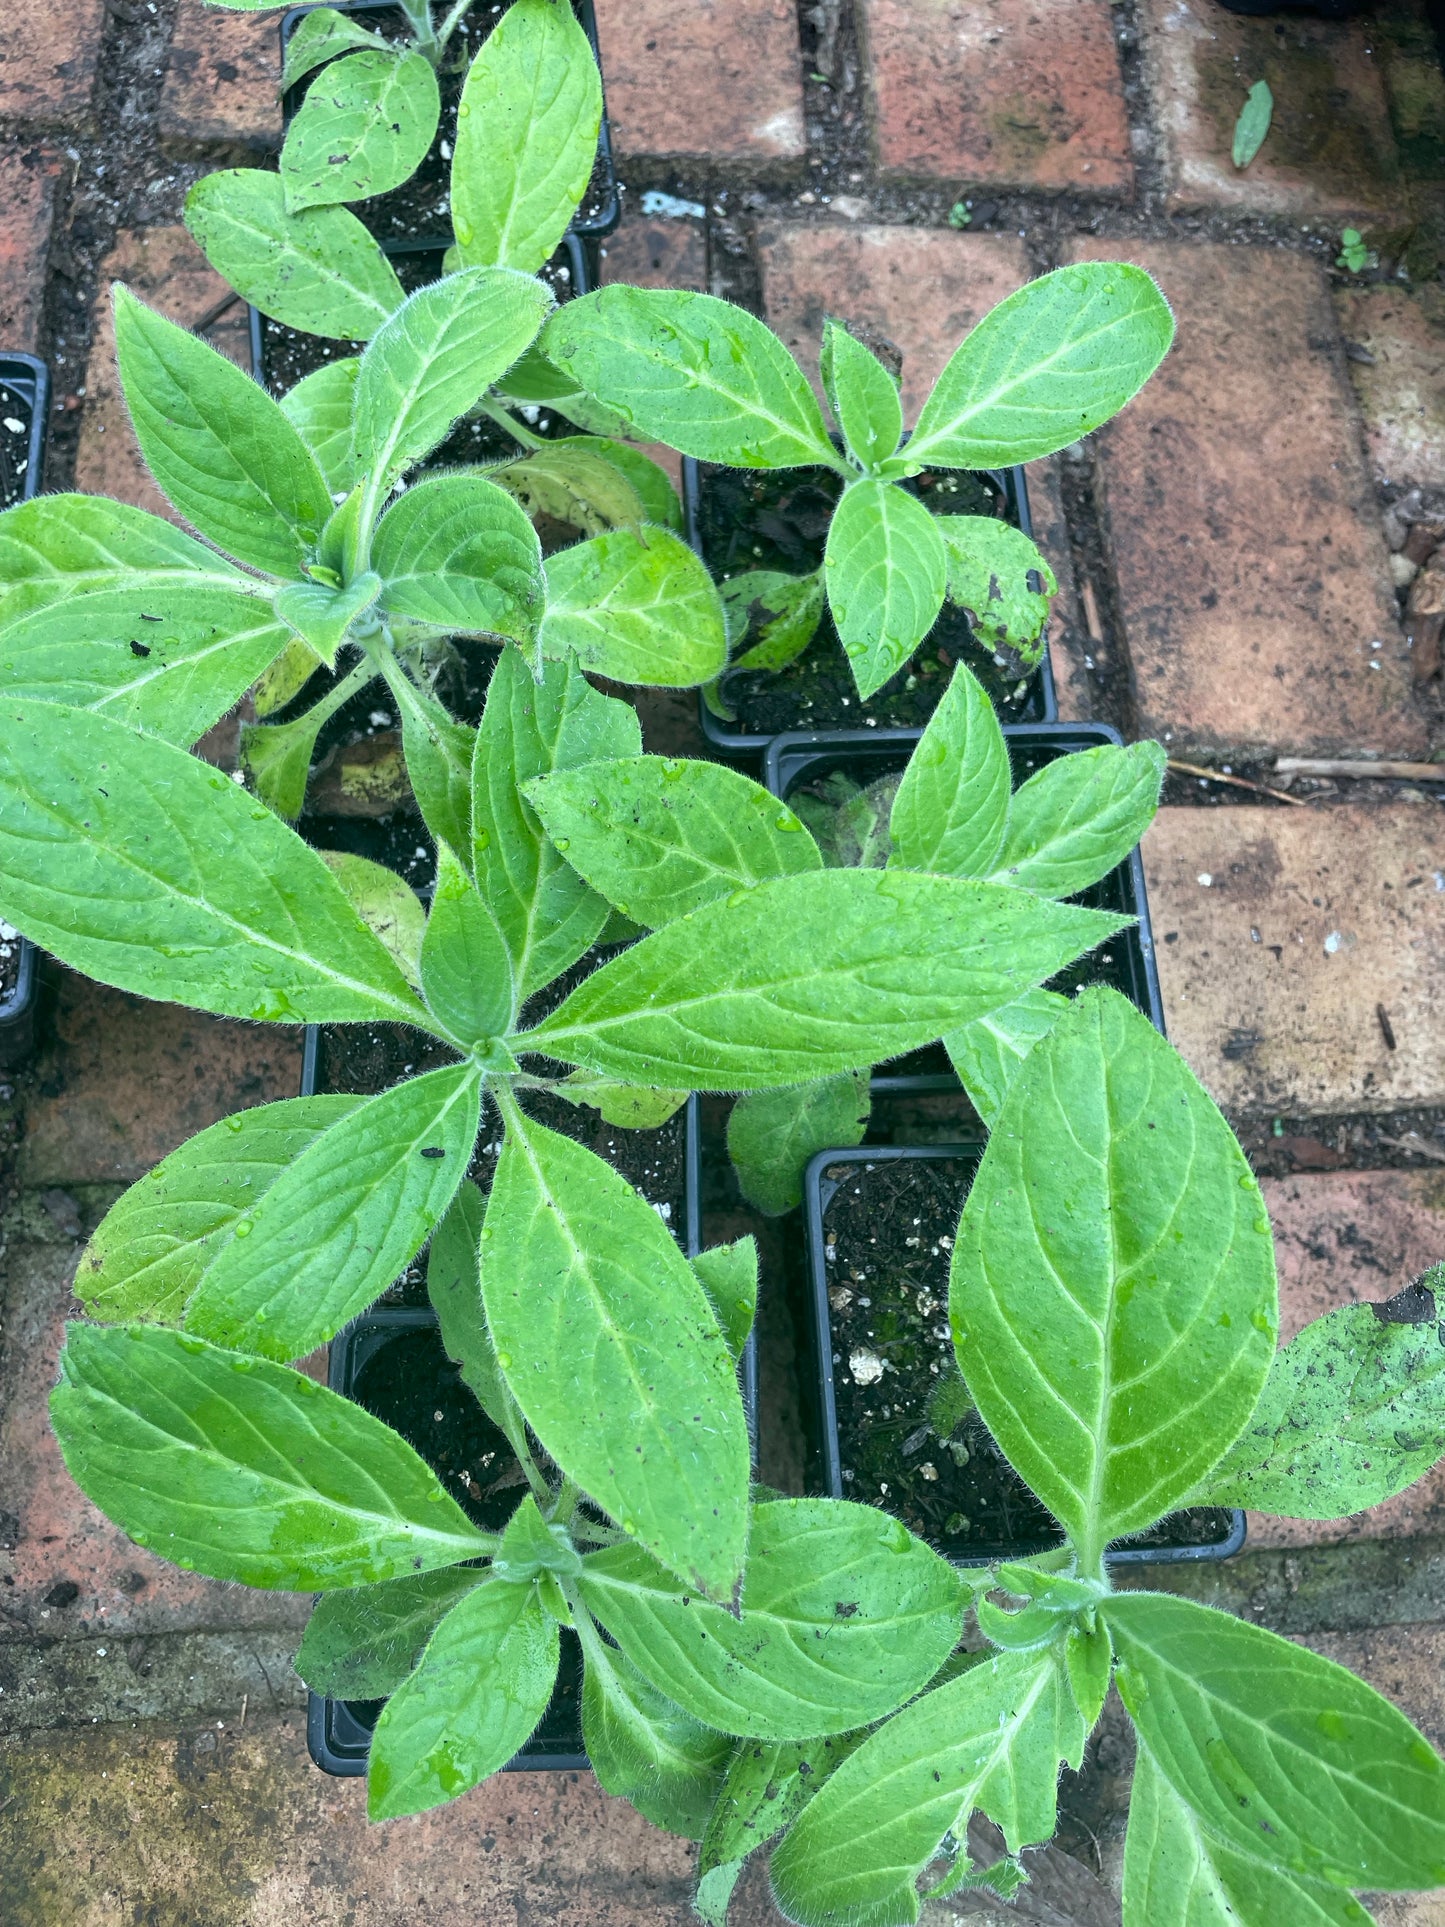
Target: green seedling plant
1047, 365
334, 551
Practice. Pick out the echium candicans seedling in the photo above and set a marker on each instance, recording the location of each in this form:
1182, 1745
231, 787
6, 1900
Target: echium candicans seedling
331, 552
1113, 1307
575, 1314
1047, 365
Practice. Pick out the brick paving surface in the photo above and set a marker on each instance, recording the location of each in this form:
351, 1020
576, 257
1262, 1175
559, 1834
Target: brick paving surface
1251, 564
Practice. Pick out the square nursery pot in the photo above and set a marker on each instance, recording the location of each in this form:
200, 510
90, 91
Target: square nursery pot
880, 1226
739, 519
1127, 963
24, 411
419, 210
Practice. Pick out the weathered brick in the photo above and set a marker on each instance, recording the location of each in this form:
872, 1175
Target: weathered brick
1008, 93
1280, 932
27, 194
51, 54
221, 78
703, 78
1401, 388
164, 267
1354, 1237
1252, 569
1330, 150
230, 1826
656, 251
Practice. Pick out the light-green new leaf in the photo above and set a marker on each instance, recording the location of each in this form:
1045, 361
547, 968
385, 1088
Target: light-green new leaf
454, 1285
658, 836
987, 1053
1113, 1292
772, 1135
612, 1351
638, 606
1288, 1757
997, 575
457, 551
240, 1469
810, 975
707, 378
1352, 1412
466, 972
217, 444
1079, 817
321, 615
862, 394
361, 1644
844, 1615
483, 1683
1047, 365
343, 1221
363, 128
319, 270
175, 883
152, 1248
951, 808
527, 133
319, 409
991, 1739
885, 570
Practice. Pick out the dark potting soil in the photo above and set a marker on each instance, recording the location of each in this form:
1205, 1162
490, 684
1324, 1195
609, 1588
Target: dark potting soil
9, 964
421, 206
778, 519
15, 414
909, 1441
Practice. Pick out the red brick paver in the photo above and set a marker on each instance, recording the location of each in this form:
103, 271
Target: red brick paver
1012, 93
657, 251
51, 54
164, 267
27, 196
1353, 1237
1246, 532
221, 78
701, 77
1280, 931
1401, 385
1330, 149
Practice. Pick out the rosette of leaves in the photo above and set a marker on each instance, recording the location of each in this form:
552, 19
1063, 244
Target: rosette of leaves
1048, 364
603, 1353
1113, 1306
330, 552
953, 812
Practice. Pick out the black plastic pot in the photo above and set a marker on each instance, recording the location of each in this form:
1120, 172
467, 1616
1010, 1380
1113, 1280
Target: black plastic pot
593, 225
1037, 701
1018, 1525
24, 397
1127, 963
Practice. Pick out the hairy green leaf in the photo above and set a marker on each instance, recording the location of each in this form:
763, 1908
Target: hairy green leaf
228, 1465
217, 444
320, 270
546, 913
612, 1351
1113, 1291
175, 883
885, 571
1352, 1412
697, 373
361, 1644
466, 973
319, 409
152, 1248
570, 482
771, 618
637, 606
321, 615
483, 1683
1080, 816
386, 904
286, 677
439, 755
651, 483
729, 1276
772, 1135
810, 975
658, 836
169, 660
1285, 1755
768, 1784
999, 576
342, 1221
320, 35
1178, 1874
534, 381
631, 1107
844, 1615
951, 808
434, 359
458, 552
531, 1547
454, 1285
862, 395
987, 1053
57, 546
991, 1739
669, 1765
363, 128
526, 136
277, 758
1048, 364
